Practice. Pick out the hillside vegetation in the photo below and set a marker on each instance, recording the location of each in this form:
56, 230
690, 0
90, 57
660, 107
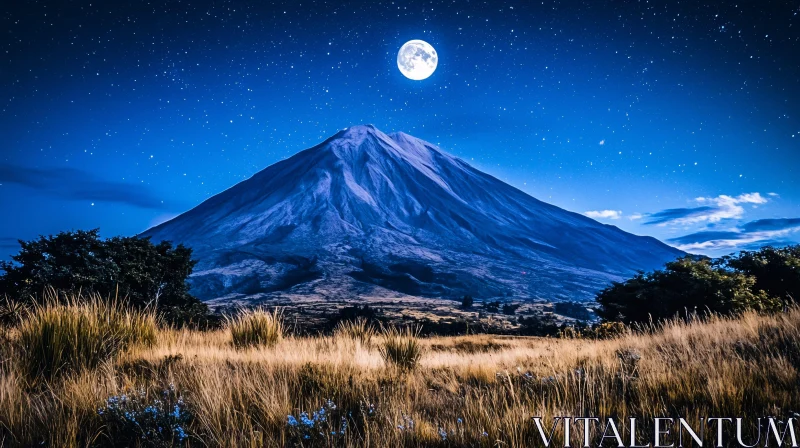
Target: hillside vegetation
372, 386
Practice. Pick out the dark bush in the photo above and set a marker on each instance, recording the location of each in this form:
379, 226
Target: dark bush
685, 287
133, 268
606, 330
776, 270
467, 302
492, 307
509, 309
574, 310
538, 325
354, 312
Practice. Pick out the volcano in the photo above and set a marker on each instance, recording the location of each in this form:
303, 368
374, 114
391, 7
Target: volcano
369, 214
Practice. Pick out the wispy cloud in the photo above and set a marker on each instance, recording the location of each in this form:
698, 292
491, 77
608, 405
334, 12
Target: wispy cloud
707, 236
678, 215
750, 235
74, 184
709, 210
8, 243
604, 214
771, 225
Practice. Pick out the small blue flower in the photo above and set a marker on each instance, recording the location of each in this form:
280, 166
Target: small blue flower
305, 420
292, 421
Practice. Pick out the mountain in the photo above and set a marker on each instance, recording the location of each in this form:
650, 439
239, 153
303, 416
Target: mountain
370, 214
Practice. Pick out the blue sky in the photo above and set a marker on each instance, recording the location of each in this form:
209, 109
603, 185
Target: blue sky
672, 119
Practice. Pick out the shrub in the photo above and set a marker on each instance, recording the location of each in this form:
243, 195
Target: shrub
538, 325
133, 419
509, 309
776, 270
569, 333
685, 287
255, 328
401, 348
574, 310
467, 302
358, 330
355, 312
148, 275
81, 334
492, 307
607, 330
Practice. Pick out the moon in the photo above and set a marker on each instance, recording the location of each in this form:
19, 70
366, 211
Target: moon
417, 60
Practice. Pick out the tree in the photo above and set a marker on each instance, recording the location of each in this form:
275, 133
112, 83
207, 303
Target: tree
493, 306
574, 310
143, 273
538, 325
776, 270
509, 309
467, 302
684, 286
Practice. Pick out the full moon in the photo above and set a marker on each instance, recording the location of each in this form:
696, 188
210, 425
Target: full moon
417, 60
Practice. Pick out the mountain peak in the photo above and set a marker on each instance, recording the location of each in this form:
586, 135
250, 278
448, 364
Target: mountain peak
365, 212
358, 131
406, 144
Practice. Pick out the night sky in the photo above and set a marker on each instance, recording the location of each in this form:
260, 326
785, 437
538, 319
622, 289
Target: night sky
677, 119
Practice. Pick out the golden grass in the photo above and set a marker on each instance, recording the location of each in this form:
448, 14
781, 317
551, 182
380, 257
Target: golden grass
401, 348
478, 390
359, 330
256, 328
62, 338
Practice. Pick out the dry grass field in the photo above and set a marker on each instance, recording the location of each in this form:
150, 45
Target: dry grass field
190, 388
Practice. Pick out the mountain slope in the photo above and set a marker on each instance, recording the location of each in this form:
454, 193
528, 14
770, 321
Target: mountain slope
365, 212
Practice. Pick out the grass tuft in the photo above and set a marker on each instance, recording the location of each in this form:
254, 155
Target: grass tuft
358, 330
401, 347
256, 328
56, 339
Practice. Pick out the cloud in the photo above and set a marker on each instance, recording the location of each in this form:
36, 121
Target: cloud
677, 215
8, 243
709, 210
604, 214
770, 225
751, 235
74, 184
705, 236
636, 217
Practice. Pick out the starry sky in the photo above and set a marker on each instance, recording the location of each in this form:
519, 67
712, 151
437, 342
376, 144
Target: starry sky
676, 119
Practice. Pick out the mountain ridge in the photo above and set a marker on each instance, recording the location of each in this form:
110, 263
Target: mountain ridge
374, 213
